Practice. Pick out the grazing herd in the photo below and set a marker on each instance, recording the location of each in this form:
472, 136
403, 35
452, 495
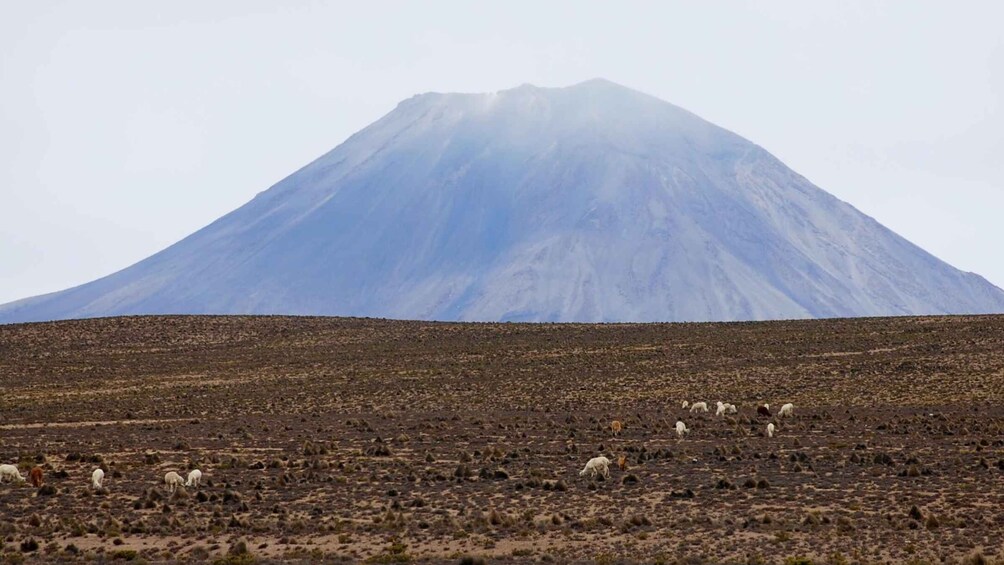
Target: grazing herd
172, 479
601, 465
595, 466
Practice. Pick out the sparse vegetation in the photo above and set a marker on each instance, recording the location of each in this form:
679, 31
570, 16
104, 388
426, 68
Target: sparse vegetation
360, 440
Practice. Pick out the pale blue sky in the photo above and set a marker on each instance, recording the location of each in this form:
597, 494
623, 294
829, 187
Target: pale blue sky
125, 126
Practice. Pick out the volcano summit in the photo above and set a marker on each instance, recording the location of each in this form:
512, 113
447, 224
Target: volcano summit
587, 203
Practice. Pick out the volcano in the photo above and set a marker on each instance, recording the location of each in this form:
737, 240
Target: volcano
590, 203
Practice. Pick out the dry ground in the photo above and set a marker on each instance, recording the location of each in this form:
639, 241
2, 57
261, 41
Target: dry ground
346, 439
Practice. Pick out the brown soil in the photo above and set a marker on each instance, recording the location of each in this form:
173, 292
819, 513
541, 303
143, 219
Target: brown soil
347, 439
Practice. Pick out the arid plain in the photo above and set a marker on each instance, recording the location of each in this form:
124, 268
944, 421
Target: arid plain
387, 441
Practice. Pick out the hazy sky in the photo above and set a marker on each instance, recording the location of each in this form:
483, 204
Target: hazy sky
125, 126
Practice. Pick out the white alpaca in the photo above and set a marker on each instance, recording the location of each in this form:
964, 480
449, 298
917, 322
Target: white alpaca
173, 481
685, 404
786, 410
194, 478
702, 406
596, 465
681, 429
730, 408
96, 477
770, 429
10, 472
720, 408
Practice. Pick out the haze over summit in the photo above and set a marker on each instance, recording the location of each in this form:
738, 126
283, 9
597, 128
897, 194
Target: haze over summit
588, 203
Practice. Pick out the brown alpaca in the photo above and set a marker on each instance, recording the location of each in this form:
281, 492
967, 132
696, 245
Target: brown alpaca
622, 462
36, 477
616, 426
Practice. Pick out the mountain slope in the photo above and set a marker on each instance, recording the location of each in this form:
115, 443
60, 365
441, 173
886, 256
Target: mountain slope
587, 203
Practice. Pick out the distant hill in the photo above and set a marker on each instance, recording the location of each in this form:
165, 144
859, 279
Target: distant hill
587, 203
